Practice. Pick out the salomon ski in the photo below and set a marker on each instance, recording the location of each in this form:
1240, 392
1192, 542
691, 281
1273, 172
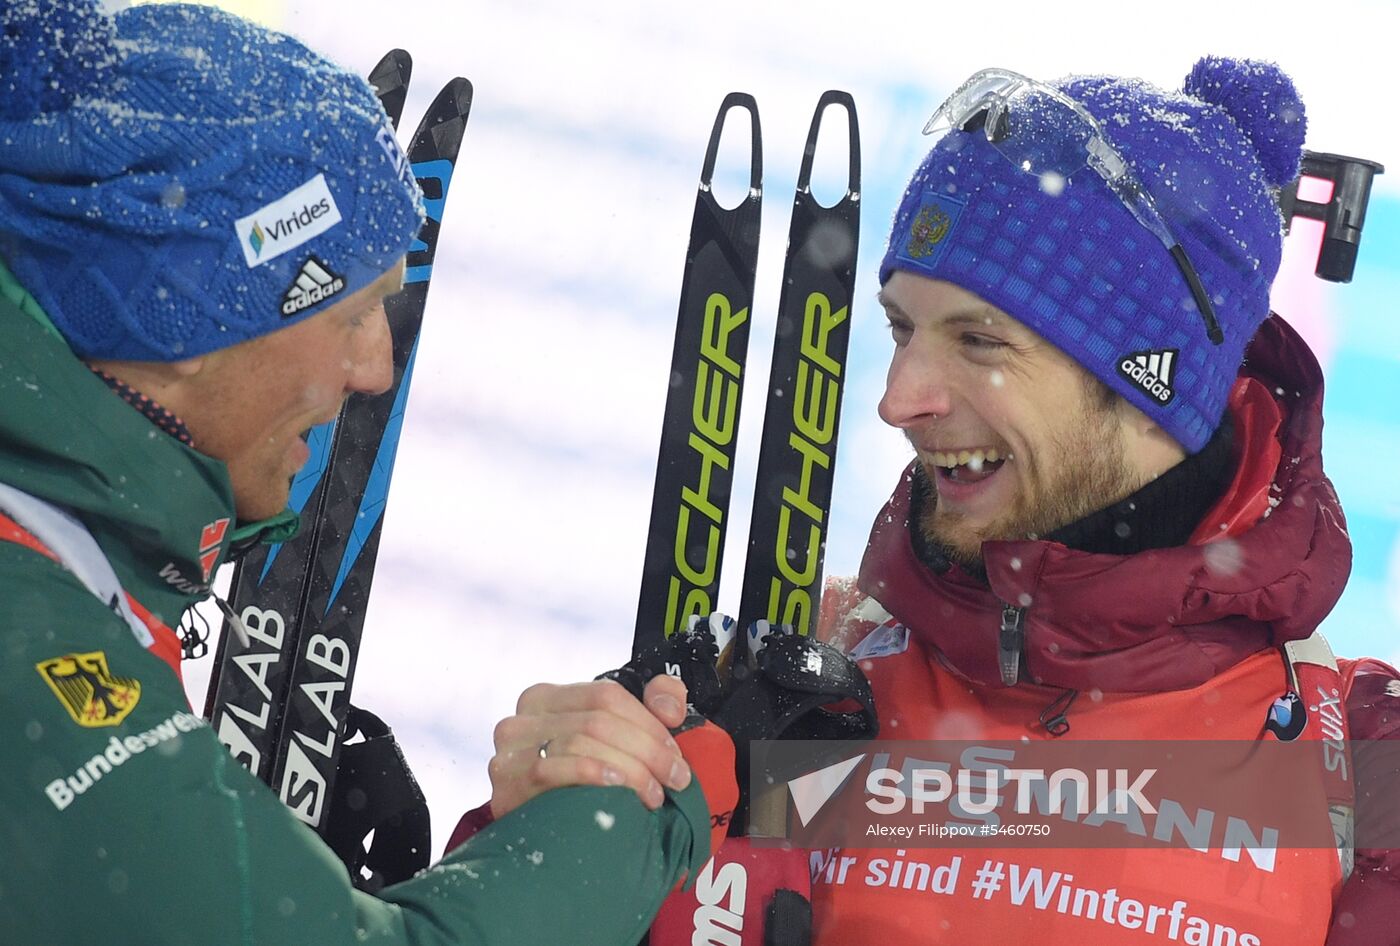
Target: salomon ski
305, 625
248, 689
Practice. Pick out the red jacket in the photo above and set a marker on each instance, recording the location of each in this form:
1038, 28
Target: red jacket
1265, 566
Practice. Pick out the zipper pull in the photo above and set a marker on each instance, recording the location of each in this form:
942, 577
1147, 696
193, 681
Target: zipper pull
234, 621
1010, 643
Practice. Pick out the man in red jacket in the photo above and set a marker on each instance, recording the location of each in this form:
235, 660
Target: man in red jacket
1116, 528
1116, 525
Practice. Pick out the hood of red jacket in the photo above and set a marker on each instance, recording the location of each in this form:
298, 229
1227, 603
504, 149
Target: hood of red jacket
1264, 567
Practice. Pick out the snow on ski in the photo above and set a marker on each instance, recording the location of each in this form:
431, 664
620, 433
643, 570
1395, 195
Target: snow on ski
309, 649
390, 80
695, 466
361, 465
797, 452
685, 545
248, 688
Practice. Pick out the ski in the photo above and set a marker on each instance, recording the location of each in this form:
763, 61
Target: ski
801, 421
357, 485
300, 668
695, 466
390, 79
248, 689
797, 451
792, 495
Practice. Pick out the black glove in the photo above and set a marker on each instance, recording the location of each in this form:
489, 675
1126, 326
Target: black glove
779, 690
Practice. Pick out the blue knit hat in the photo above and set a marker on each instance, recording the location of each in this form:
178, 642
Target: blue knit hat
175, 180
1069, 260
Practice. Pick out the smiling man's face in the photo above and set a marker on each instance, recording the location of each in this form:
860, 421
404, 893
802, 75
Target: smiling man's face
1016, 439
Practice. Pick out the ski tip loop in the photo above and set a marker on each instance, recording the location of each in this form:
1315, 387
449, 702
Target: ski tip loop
736, 100
844, 99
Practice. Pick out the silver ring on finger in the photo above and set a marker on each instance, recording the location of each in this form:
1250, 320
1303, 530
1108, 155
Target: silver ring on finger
544, 748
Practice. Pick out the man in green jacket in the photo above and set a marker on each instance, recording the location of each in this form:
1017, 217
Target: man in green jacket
199, 222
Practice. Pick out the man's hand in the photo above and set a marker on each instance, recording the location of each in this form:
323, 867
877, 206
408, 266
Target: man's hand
589, 734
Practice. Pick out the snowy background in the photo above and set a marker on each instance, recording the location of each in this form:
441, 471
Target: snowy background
513, 542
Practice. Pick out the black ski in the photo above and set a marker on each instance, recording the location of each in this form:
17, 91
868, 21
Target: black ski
248, 689
357, 486
695, 468
390, 80
298, 673
797, 453
787, 538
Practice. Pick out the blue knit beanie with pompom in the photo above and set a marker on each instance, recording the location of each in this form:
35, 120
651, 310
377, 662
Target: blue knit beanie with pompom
175, 180
1072, 262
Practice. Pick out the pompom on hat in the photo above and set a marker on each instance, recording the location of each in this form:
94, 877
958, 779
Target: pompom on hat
1068, 259
175, 180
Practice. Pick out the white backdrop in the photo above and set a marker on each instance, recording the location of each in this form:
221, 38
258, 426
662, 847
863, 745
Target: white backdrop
514, 535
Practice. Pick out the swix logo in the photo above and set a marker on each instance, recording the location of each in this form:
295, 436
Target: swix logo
1152, 371
815, 414
1334, 734
211, 537
714, 416
722, 894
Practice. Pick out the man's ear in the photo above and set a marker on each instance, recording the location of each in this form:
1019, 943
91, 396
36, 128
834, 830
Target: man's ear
189, 367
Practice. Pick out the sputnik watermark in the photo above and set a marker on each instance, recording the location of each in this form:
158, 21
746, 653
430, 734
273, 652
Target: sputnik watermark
979, 792
1223, 798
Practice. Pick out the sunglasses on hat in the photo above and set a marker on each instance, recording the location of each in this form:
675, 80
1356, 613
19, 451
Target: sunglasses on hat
1044, 132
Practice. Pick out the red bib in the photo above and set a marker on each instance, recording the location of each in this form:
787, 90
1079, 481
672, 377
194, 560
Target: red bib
1114, 895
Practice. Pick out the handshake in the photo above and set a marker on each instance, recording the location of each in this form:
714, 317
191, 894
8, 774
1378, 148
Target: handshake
676, 712
767, 683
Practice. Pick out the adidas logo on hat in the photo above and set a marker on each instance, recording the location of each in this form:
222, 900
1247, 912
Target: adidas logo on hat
315, 283
1152, 371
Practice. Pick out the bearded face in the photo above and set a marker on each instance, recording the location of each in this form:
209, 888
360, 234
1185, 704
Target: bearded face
1015, 438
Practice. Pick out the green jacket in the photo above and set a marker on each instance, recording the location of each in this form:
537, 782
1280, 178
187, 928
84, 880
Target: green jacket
140, 828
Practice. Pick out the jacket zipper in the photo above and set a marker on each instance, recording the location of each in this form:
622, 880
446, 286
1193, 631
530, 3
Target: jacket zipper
1011, 642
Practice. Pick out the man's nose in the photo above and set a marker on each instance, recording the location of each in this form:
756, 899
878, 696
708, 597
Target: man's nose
372, 368
916, 389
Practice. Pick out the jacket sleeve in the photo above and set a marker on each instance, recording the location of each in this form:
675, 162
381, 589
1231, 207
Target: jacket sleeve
1367, 912
122, 818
